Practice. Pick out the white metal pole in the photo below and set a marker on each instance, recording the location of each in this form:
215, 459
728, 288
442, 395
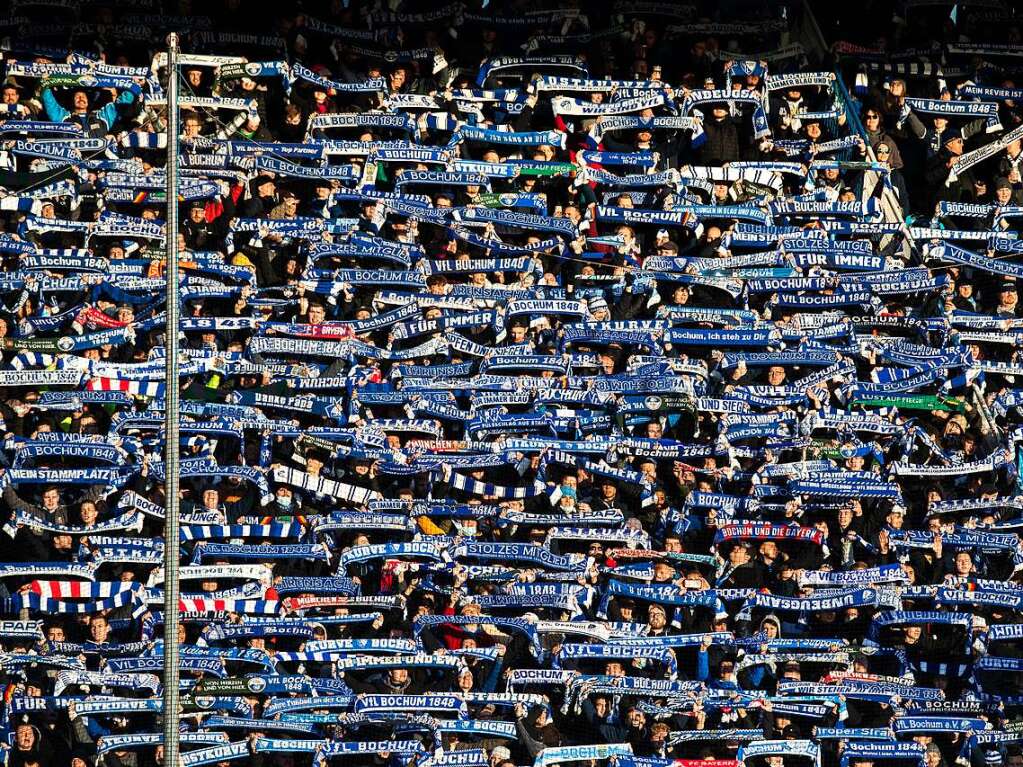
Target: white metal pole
171, 545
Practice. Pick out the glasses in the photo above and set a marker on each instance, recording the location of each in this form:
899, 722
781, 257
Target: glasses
872, 117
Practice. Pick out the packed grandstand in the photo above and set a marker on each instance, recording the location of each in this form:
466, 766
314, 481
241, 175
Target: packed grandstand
591, 384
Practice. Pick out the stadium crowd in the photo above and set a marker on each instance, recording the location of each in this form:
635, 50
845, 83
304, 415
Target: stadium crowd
591, 384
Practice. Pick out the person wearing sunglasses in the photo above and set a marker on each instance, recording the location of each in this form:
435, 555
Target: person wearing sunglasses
941, 130
873, 125
887, 152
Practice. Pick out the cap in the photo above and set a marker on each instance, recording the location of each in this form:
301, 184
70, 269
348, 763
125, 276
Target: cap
500, 752
596, 303
951, 136
1002, 183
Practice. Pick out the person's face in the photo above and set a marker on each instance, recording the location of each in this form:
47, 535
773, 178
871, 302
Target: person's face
775, 375
24, 737
99, 629
398, 675
872, 120
80, 101
88, 513
657, 618
55, 634
770, 630
933, 758
10, 96
813, 131
663, 572
654, 430
738, 555
194, 77
51, 499
614, 668
192, 128
1003, 194
210, 499
913, 632
845, 517
963, 563
316, 315
1009, 297
910, 572
636, 718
